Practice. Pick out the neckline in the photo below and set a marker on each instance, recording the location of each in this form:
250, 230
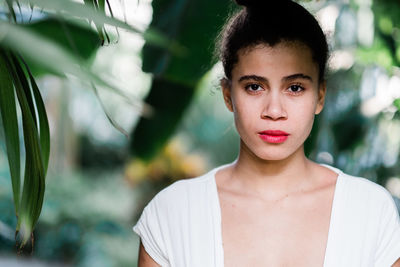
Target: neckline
217, 211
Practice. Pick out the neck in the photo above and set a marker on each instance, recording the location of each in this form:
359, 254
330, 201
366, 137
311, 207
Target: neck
266, 176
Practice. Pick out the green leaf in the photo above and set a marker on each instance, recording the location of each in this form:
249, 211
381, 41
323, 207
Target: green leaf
10, 125
34, 177
195, 25
93, 4
25, 86
396, 103
69, 9
73, 38
62, 62
72, 10
168, 99
43, 121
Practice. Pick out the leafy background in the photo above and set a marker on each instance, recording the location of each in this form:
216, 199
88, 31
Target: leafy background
99, 180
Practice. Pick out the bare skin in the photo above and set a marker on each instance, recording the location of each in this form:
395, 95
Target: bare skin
274, 227
144, 258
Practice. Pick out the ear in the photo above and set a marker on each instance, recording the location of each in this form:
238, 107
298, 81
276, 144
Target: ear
226, 92
321, 97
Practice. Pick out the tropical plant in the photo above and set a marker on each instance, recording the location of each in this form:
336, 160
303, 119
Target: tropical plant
47, 36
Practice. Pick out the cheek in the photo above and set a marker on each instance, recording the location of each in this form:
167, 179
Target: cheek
303, 117
245, 114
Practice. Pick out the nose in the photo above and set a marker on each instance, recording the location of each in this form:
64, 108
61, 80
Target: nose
273, 106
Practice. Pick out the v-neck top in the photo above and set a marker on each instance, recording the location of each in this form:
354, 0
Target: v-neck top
181, 225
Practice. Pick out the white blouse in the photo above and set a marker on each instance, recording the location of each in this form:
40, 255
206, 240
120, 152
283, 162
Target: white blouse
181, 226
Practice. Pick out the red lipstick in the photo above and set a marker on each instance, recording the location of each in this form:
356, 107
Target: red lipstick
273, 136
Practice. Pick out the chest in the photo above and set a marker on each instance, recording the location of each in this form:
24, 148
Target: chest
289, 232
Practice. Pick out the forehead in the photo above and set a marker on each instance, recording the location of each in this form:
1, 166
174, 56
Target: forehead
282, 59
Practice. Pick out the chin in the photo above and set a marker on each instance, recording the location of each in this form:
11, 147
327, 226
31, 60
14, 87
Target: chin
276, 152
272, 157
271, 152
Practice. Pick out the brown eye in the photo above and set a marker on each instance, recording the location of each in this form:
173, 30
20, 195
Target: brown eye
253, 87
295, 88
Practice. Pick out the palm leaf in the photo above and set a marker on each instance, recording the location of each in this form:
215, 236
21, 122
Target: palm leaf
31, 201
10, 125
62, 62
43, 120
71, 10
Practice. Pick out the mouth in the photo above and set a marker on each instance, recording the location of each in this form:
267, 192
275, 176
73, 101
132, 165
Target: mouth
273, 136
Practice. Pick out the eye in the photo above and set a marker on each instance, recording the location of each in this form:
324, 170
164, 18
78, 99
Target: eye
253, 87
296, 88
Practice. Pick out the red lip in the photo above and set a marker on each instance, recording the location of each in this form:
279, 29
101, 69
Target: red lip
273, 132
273, 136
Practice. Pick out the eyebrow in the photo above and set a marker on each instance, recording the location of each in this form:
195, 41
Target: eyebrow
286, 78
253, 77
297, 76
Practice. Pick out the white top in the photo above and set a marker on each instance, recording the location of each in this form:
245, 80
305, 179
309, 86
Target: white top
181, 226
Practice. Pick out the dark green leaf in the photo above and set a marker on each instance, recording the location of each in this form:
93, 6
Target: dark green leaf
10, 125
21, 76
77, 40
27, 43
43, 121
168, 99
33, 188
195, 25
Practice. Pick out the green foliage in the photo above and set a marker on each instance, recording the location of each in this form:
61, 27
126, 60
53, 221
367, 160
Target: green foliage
36, 139
60, 44
169, 100
396, 103
387, 24
379, 54
194, 24
76, 40
355, 126
10, 125
91, 228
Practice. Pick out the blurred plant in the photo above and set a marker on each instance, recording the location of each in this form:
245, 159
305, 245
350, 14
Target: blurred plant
356, 132
171, 164
194, 24
58, 39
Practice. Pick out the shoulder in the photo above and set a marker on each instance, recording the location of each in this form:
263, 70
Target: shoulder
183, 192
362, 194
364, 188
360, 186
367, 201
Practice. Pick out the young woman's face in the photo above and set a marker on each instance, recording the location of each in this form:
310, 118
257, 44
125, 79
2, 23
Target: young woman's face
274, 94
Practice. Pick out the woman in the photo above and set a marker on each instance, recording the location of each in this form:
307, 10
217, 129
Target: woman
272, 206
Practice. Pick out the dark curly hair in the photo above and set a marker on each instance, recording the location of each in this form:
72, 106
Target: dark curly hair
270, 22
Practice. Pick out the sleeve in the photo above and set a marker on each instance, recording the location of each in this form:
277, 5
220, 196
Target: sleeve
148, 228
388, 248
